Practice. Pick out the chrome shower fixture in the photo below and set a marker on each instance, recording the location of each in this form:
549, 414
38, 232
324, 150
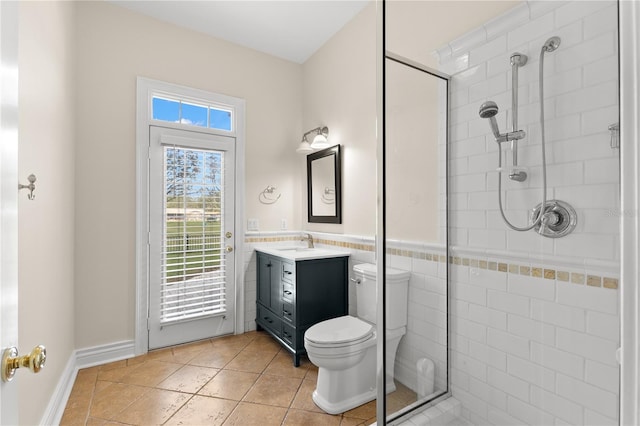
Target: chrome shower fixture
552, 218
489, 110
552, 44
559, 219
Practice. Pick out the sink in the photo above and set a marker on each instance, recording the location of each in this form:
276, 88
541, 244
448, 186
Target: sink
296, 253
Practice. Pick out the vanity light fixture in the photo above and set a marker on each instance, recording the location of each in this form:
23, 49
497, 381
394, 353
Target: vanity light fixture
305, 147
319, 140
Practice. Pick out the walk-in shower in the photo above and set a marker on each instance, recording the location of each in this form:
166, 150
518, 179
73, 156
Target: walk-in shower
553, 218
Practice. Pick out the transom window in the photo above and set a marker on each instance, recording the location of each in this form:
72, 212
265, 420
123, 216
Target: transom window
192, 113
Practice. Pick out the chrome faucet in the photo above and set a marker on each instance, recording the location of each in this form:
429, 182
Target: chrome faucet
309, 239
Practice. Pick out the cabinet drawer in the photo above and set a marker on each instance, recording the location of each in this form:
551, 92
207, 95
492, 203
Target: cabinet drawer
269, 320
288, 292
288, 272
289, 334
287, 312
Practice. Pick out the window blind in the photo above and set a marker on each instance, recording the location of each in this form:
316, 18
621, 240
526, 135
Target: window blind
193, 278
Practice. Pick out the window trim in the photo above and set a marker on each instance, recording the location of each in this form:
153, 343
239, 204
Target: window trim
145, 90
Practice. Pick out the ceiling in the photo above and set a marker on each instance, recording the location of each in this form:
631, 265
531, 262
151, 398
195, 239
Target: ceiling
292, 30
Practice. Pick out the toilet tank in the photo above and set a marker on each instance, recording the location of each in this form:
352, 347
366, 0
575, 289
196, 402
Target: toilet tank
397, 287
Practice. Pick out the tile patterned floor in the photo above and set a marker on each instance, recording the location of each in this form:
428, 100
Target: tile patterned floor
247, 379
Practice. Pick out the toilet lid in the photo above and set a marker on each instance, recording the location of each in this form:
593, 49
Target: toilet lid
341, 330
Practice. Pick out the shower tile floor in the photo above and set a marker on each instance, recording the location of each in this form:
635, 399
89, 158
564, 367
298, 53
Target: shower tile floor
248, 379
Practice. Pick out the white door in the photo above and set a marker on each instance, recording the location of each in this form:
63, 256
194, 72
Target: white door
191, 238
8, 199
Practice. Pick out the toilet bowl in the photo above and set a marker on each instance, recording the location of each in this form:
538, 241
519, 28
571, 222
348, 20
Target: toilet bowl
344, 348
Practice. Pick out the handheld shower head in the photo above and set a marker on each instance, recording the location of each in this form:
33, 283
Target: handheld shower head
489, 110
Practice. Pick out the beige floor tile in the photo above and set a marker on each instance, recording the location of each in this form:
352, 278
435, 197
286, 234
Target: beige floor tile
364, 411
188, 379
216, 358
248, 414
113, 365
308, 418
114, 398
229, 385
236, 341
150, 373
74, 416
352, 421
264, 344
282, 365
203, 410
273, 390
303, 400
154, 407
251, 360
312, 372
116, 373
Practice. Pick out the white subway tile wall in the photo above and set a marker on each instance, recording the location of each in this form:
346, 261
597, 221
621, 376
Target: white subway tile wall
537, 344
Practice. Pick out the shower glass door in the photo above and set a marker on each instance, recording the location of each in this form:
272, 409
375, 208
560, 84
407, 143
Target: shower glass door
416, 233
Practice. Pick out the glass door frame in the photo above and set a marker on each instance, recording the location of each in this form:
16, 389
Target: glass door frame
381, 247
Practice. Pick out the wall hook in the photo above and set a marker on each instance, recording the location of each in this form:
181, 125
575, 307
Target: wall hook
31, 187
267, 196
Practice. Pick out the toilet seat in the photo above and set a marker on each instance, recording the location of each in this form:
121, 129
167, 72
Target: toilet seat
339, 332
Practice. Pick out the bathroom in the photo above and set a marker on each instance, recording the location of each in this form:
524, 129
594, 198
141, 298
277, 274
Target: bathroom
90, 162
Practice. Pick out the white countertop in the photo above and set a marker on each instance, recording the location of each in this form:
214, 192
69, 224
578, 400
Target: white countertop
302, 253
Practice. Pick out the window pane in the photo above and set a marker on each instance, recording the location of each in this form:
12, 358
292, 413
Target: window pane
166, 110
195, 115
220, 119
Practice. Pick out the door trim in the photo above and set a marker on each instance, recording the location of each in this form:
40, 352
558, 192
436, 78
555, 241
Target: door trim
144, 92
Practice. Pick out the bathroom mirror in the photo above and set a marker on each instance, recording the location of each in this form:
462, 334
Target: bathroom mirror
323, 186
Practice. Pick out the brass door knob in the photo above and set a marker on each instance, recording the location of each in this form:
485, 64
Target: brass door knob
229, 249
11, 361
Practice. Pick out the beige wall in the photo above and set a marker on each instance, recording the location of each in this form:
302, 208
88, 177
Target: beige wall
114, 47
414, 29
340, 92
46, 244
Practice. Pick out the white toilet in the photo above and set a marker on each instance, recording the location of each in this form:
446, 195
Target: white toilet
344, 348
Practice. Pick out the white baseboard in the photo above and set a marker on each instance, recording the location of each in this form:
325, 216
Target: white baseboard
103, 354
55, 408
82, 358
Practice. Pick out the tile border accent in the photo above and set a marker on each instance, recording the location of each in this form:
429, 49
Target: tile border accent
507, 263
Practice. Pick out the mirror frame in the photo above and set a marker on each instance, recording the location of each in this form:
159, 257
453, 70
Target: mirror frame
337, 165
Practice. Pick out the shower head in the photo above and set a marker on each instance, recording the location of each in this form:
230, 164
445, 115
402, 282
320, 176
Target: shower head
489, 110
552, 44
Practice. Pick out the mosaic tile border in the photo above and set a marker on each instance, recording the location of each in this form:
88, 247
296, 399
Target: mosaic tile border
491, 265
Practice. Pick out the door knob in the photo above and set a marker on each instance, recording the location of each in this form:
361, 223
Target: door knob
229, 249
11, 361
228, 235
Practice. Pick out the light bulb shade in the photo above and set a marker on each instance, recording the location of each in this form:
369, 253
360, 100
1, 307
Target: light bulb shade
320, 142
304, 147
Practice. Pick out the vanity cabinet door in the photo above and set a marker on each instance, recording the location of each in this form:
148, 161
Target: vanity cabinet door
269, 282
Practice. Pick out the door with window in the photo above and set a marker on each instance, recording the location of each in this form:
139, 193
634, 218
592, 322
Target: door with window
191, 236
